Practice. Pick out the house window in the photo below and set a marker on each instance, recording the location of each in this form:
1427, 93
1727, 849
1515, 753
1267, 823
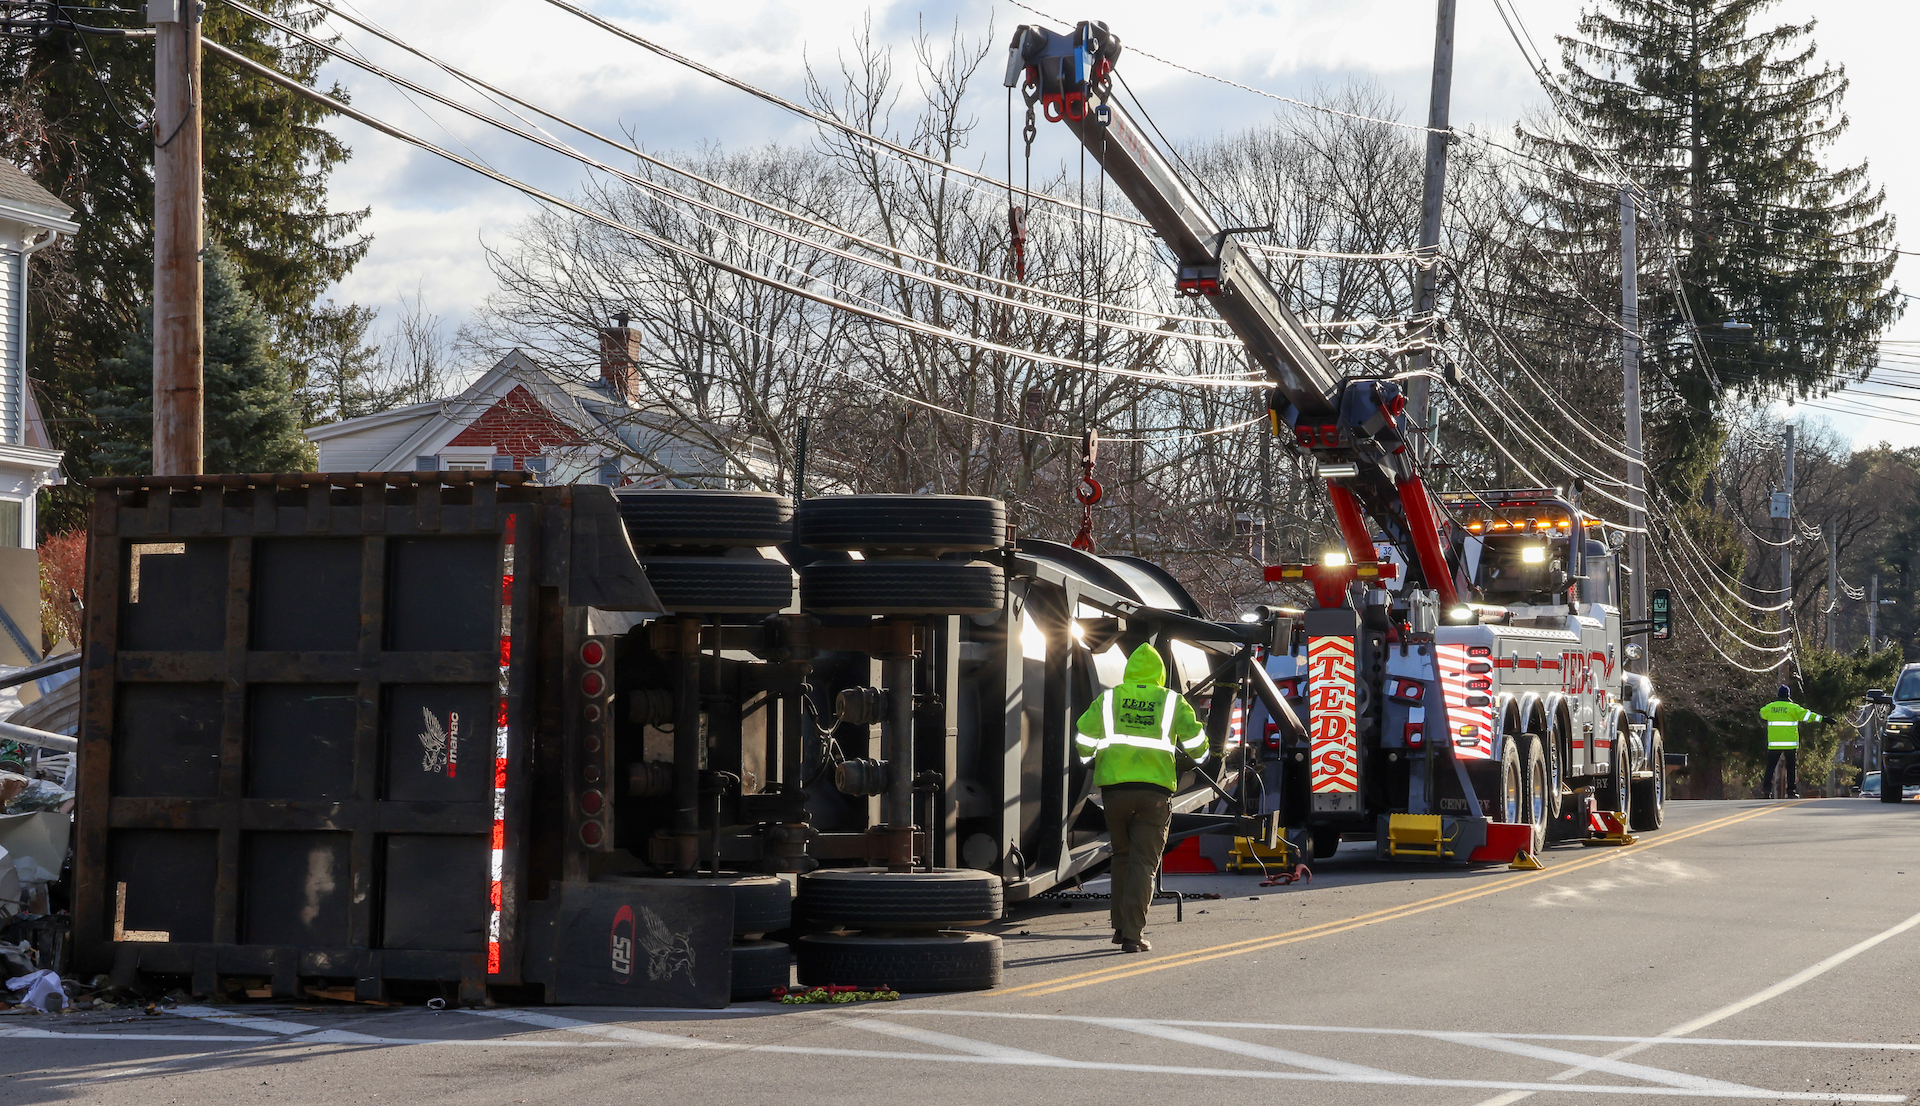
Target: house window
534, 464
426, 462
502, 463
467, 466
9, 523
610, 473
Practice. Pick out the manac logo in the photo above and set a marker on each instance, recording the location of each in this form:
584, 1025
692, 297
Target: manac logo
620, 945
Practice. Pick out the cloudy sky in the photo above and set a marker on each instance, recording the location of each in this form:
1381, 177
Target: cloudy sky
431, 221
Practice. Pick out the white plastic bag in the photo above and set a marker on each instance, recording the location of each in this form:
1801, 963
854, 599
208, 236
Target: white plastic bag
43, 990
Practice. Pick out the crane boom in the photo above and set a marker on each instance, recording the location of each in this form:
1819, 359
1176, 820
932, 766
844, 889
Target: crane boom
1352, 429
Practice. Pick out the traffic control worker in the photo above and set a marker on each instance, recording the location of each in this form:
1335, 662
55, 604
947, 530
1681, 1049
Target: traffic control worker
1783, 717
1130, 734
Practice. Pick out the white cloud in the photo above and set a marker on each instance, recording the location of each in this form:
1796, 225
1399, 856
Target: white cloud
429, 218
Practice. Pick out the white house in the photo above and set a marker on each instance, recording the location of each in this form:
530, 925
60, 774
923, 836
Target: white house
31, 218
519, 415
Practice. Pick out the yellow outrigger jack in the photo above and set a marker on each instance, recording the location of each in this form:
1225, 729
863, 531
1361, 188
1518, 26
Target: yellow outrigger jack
1526, 862
1609, 828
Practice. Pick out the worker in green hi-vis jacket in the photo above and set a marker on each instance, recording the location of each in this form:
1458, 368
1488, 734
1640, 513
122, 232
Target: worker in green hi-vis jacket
1783, 718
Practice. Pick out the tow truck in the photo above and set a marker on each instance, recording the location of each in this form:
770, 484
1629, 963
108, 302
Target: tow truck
1459, 689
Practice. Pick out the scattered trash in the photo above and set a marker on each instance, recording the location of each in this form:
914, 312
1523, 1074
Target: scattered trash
436, 1004
43, 991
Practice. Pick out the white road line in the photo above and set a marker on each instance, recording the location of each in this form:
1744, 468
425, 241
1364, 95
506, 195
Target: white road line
129, 1035
243, 1021
1611, 1067
947, 1040
1678, 1032
662, 1040
1357, 1072
1742, 1042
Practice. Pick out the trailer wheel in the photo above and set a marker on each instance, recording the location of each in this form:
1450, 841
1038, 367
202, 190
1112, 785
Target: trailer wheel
1326, 841
1506, 805
720, 585
874, 898
759, 967
1650, 795
924, 962
1538, 803
761, 904
681, 517
903, 587
921, 524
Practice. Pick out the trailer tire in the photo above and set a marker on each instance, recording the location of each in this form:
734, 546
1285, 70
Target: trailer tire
919, 524
903, 587
689, 517
720, 585
758, 968
922, 962
874, 898
761, 904
1326, 841
1538, 803
1650, 794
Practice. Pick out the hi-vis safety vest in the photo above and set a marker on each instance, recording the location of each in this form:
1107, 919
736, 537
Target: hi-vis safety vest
1130, 732
1783, 723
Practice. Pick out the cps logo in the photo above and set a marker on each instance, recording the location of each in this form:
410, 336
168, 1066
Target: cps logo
620, 945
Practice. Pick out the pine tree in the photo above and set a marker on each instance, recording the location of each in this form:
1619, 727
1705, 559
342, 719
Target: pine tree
252, 411
337, 373
1783, 260
74, 113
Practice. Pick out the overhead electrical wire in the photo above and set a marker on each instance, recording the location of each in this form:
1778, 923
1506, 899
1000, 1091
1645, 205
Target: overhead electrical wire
664, 190
692, 254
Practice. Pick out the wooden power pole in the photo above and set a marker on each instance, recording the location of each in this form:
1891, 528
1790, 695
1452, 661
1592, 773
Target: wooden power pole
179, 323
1420, 387
1630, 396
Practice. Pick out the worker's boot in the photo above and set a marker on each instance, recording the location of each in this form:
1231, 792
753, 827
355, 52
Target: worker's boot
1117, 939
1140, 945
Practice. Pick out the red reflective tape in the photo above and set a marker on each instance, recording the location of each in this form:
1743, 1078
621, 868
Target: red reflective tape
1554, 665
506, 651
500, 774
493, 958
499, 834
495, 894
1498, 663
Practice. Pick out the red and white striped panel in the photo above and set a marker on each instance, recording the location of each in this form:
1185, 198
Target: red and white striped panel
497, 861
1472, 727
1330, 715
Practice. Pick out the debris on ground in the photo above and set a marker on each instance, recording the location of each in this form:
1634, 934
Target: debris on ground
43, 990
830, 993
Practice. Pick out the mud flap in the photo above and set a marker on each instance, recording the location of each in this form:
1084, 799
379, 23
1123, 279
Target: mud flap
607, 945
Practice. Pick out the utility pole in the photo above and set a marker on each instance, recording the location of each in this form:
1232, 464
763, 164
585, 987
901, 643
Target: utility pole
1873, 615
1783, 532
1419, 387
1630, 404
179, 324
1832, 586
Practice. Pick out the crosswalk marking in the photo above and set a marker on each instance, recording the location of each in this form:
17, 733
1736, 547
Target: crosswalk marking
948, 1040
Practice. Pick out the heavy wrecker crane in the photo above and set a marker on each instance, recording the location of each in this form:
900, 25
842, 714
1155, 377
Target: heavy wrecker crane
1459, 689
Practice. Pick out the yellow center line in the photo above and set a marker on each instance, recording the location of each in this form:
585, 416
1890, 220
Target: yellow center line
1386, 914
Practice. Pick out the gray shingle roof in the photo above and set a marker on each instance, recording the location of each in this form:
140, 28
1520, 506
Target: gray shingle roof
17, 186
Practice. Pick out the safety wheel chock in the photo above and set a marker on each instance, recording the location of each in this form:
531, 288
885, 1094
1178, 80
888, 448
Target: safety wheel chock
1608, 827
1524, 861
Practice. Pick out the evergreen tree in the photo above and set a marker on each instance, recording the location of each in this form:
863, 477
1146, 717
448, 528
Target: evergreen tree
252, 411
1723, 123
335, 370
75, 113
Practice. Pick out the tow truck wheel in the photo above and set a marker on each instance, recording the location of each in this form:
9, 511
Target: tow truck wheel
1617, 794
1891, 790
1650, 794
1326, 841
1538, 802
1506, 786
759, 967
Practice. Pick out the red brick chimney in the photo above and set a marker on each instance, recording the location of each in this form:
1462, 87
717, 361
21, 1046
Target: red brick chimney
619, 357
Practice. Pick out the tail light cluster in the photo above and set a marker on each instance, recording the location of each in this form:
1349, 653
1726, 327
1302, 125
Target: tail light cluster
590, 678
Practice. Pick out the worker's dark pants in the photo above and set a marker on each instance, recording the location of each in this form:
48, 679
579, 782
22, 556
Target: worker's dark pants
1137, 821
1793, 771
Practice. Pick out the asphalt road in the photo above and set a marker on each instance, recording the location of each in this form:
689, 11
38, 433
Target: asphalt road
1748, 952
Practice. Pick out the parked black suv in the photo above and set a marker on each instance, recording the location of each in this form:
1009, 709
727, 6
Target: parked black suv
1900, 741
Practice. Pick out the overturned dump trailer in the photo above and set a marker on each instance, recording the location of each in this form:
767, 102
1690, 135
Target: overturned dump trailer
447, 732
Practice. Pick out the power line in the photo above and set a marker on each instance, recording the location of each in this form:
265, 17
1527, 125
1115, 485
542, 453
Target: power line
910, 325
